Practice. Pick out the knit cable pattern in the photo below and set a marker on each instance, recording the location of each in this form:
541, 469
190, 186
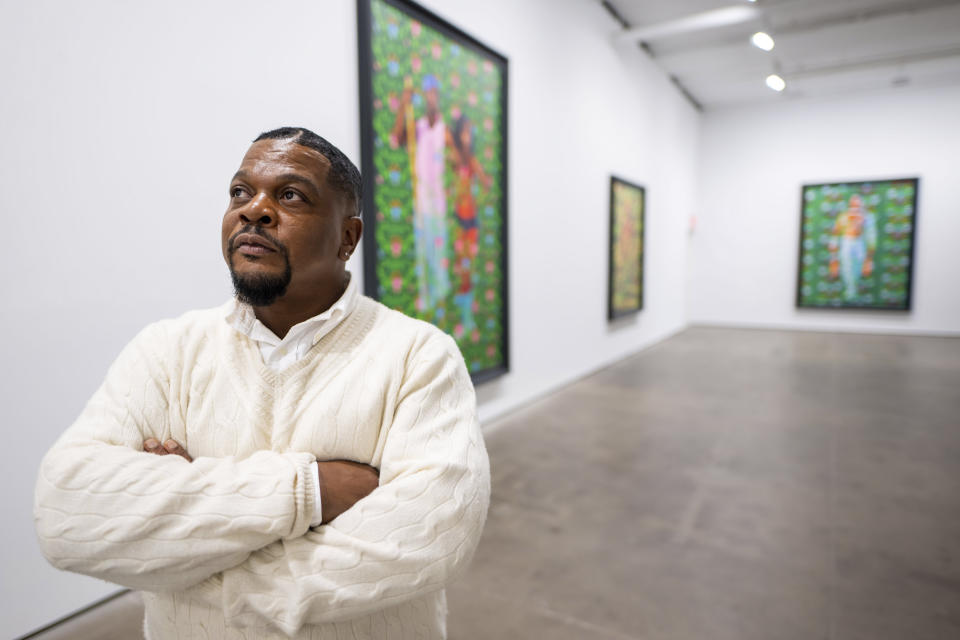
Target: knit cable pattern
222, 545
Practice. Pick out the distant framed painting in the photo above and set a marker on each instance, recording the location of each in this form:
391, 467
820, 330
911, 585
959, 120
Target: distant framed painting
433, 125
627, 208
857, 244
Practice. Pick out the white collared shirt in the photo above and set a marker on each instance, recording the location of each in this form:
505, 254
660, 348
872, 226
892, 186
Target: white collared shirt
278, 354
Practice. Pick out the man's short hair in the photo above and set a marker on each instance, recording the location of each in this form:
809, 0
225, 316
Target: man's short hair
343, 175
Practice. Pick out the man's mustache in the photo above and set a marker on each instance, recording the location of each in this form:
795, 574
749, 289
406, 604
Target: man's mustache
257, 231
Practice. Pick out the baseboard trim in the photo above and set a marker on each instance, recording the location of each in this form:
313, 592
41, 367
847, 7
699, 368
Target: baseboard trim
493, 421
75, 614
872, 331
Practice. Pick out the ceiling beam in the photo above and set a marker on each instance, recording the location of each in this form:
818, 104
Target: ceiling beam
711, 76
800, 26
863, 14
696, 22
876, 62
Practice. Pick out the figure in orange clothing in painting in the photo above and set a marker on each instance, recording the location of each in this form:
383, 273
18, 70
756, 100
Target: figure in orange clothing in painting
852, 246
466, 168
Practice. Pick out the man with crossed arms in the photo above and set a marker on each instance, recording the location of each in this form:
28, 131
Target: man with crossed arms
301, 462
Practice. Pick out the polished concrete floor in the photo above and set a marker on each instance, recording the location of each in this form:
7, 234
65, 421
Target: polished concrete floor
724, 484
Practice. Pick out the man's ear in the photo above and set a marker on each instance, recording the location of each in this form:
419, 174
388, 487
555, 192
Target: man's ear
350, 238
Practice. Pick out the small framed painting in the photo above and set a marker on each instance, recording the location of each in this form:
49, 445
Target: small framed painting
857, 244
627, 209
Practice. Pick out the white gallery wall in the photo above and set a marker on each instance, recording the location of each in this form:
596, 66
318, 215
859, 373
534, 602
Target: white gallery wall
753, 162
122, 123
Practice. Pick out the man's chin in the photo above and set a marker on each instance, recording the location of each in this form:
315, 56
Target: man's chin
259, 290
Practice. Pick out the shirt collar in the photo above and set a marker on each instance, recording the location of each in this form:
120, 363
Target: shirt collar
243, 318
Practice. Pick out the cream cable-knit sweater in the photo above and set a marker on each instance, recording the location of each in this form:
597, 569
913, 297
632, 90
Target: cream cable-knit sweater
222, 546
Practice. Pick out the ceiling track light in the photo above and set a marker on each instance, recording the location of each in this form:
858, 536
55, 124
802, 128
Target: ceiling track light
776, 83
762, 40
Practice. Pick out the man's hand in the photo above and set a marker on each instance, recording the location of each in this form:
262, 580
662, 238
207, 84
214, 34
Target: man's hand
342, 484
171, 447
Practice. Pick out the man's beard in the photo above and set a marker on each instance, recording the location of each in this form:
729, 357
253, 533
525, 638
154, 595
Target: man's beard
260, 290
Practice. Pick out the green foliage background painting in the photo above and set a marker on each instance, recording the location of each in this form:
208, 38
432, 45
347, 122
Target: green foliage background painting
405, 52
626, 248
857, 244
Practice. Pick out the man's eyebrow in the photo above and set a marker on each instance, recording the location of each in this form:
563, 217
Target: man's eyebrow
283, 177
296, 177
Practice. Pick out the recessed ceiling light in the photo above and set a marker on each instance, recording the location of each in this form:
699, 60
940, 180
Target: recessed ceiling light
762, 40
775, 82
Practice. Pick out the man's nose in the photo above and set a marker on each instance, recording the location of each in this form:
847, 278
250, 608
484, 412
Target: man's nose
261, 210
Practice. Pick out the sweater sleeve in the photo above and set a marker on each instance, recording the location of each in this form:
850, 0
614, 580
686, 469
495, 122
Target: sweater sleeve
409, 537
105, 508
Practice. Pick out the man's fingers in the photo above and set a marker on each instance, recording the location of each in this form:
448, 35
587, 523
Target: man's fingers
152, 446
172, 446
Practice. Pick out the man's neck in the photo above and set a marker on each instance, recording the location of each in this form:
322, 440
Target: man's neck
292, 309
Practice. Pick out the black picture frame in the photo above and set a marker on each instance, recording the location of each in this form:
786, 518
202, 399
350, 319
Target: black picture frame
372, 251
614, 309
809, 239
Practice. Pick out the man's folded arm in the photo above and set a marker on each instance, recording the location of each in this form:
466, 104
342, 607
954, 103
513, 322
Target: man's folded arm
105, 508
407, 538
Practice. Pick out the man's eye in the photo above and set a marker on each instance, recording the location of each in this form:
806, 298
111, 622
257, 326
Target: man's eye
237, 192
290, 194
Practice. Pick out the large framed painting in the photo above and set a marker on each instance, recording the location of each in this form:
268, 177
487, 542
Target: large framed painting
857, 244
433, 111
627, 205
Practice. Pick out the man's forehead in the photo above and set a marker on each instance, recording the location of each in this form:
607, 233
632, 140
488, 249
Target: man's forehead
284, 155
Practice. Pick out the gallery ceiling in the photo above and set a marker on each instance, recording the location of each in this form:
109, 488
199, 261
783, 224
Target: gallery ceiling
822, 47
